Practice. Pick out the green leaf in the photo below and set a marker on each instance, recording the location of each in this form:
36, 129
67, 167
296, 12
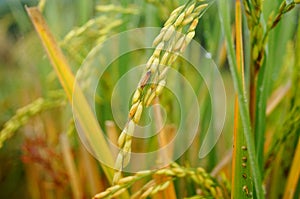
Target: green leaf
242, 100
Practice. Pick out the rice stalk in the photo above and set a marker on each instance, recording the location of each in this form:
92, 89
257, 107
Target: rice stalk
71, 168
175, 43
258, 40
165, 155
91, 172
259, 78
264, 83
112, 133
293, 178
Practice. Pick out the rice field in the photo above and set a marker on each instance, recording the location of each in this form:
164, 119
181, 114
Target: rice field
149, 99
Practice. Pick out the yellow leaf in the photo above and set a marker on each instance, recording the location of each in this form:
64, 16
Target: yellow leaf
84, 115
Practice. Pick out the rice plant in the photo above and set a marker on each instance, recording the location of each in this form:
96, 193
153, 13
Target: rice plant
95, 104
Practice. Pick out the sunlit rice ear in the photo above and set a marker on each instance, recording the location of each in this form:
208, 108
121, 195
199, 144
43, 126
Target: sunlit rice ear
136, 96
160, 87
138, 113
170, 42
